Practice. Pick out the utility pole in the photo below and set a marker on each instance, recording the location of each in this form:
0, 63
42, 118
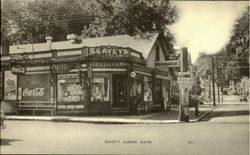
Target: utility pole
221, 92
218, 84
213, 81
184, 81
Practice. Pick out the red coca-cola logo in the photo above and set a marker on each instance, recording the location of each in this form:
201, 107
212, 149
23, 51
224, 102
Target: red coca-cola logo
33, 92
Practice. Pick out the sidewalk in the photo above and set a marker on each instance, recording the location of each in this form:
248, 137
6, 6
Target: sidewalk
153, 118
229, 111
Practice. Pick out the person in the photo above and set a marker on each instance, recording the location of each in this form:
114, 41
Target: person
197, 101
139, 101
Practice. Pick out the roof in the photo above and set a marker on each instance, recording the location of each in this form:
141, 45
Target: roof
139, 44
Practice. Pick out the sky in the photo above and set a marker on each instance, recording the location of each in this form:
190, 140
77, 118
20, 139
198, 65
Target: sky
205, 26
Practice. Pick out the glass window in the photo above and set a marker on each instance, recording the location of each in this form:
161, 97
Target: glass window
100, 89
136, 87
69, 89
10, 86
147, 89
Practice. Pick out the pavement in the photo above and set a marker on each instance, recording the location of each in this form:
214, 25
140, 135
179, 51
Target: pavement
152, 118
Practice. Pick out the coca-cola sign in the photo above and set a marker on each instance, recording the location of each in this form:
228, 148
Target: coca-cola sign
33, 92
18, 70
35, 87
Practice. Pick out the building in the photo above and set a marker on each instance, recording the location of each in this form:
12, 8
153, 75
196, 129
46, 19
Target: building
97, 75
244, 86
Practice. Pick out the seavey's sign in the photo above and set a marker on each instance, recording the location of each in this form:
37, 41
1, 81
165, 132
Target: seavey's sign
34, 92
106, 51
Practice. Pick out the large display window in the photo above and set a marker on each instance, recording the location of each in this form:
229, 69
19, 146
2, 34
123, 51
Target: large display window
147, 89
70, 88
166, 93
136, 87
100, 87
136, 93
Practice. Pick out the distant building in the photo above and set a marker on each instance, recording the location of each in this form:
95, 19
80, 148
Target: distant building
243, 86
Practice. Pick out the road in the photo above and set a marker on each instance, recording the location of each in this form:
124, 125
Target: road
225, 131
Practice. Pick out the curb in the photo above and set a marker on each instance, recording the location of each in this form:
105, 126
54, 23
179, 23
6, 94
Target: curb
202, 116
101, 120
92, 120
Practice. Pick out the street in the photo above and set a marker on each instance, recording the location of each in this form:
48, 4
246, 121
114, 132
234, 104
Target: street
220, 132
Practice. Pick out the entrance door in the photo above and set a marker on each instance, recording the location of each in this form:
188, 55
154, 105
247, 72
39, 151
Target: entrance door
119, 91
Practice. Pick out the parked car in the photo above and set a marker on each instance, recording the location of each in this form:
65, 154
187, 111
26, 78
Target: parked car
244, 98
2, 119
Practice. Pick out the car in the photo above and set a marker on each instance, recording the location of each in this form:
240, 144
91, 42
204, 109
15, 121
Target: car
3, 126
244, 98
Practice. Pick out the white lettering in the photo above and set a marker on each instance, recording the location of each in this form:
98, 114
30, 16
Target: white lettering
33, 92
109, 51
125, 51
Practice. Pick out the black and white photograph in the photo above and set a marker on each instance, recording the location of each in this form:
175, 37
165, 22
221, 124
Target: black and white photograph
153, 77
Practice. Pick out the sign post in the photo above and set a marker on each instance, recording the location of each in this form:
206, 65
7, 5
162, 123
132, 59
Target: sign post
185, 83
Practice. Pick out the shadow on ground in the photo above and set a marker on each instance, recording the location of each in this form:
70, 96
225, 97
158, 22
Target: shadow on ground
224, 114
8, 141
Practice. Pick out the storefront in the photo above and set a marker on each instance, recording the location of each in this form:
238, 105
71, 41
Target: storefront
91, 79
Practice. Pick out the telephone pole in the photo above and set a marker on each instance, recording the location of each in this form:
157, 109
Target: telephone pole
213, 81
218, 84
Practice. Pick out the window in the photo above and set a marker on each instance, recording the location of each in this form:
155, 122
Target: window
100, 89
10, 86
136, 87
147, 89
69, 88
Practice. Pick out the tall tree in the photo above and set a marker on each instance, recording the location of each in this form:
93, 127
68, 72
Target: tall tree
35, 19
238, 47
131, 17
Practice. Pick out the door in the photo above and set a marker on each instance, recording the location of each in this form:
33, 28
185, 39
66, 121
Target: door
119, 91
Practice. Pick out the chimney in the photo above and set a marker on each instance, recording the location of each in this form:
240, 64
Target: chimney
72, 38
184, 59
49, 41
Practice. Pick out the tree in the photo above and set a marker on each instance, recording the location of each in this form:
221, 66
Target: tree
8, 27
203, 66
239, 42
131, 17
36, 19
238, 47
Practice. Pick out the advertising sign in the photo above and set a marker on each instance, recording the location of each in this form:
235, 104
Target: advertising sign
185, 80
35, 87
106, 51
10, 86
18, 70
